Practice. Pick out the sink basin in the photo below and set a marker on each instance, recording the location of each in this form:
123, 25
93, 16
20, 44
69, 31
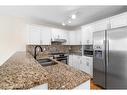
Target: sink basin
46, 62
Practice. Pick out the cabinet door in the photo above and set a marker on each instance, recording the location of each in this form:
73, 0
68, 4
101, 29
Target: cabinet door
45, 36
70, 60
34, 35
75, 61
90, 60
55, 33
83, 64
89, 64
72, 37
101, 25
119, 20
78, 37
87, 67
64, 35
87, 34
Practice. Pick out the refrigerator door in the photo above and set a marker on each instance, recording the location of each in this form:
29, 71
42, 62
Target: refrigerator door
99, 58
117, 59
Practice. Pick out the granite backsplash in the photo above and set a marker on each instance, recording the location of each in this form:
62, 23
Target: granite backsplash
55, 48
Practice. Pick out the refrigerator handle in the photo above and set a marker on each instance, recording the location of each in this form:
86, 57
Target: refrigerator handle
107, 55
107, 60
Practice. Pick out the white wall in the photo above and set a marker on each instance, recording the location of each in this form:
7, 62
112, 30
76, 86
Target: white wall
12, 36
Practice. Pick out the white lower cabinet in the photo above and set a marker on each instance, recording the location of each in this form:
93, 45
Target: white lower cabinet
85, 85
83, 63
87, 65
70, 60
75, 61
40, 87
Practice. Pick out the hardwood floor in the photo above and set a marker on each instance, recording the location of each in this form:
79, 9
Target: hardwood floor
94, 86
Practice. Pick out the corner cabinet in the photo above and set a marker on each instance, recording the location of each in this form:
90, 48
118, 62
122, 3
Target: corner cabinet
39, 35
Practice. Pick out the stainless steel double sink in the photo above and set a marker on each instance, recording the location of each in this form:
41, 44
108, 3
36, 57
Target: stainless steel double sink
46, 62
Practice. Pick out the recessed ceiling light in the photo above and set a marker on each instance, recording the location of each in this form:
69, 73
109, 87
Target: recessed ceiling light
73, 16
63, 24
69, 21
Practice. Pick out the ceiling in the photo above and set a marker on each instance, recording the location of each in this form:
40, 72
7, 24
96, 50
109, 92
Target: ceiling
55, 15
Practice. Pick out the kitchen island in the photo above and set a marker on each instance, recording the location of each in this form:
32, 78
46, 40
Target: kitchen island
22, 71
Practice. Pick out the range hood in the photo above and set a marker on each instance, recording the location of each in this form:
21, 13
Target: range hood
59, 40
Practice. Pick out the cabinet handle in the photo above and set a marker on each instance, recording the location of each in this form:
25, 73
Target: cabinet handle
87, 63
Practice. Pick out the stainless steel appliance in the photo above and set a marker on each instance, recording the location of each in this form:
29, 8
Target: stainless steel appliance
88, 50
63, 57
110, 58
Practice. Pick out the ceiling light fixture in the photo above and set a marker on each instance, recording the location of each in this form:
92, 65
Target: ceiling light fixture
69, 21
63, 24
73, 16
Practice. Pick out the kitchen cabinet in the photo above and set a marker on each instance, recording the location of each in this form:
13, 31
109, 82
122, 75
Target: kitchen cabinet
60, 34
45, 36
87, 36
70, 60
78, 34
75, 37
100, 25
75, 61
39, 35
87, 65
72, 38
34, 35
87, 30
40, 87
83, 63
118, 20
85, 85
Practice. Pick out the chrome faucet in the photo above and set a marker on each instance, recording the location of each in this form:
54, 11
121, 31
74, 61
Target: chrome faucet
35, 52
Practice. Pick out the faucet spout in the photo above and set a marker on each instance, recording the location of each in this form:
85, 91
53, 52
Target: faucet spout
35, 50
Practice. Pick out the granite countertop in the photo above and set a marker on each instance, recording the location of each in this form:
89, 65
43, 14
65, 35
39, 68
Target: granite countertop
63, 76
21, 71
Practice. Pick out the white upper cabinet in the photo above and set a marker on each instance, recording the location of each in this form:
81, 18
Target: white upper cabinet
34, 34
87, 32
101, 25
118, 20
75, 37
78, 37
72, 37
60, 34
39, 35
45, 37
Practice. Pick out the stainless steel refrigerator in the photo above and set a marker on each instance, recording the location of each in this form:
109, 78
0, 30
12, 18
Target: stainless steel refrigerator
110, 58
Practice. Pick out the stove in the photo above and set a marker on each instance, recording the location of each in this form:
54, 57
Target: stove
62, 57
